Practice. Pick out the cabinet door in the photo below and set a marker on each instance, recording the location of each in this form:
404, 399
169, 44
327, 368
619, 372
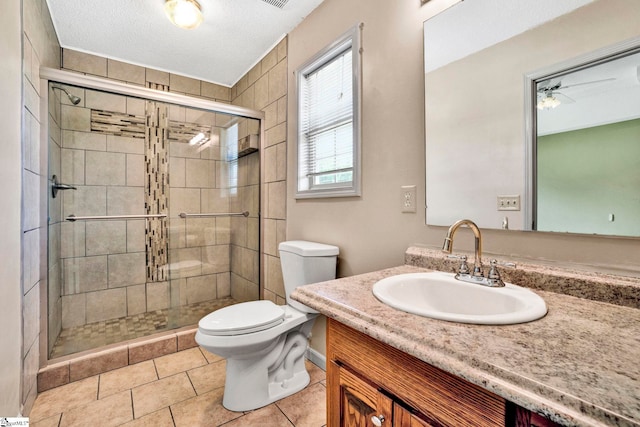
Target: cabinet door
404, 418
354, 402
540, 421
444, 398
520, 417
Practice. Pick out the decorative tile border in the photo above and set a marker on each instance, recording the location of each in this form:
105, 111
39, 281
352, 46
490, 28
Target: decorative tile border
156, 195
119, 124
129, 125
184, 132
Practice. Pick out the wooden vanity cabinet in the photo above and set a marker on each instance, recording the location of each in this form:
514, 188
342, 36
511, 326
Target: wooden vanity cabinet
367, 378
362, 404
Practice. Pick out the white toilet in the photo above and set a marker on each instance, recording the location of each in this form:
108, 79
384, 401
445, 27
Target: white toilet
265, 343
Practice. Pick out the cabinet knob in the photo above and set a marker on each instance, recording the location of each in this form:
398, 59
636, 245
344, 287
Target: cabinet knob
377, 420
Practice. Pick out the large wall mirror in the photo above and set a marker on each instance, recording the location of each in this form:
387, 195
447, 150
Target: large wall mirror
571, 166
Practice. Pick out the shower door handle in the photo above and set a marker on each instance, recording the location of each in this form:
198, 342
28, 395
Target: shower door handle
57, 186
64, 187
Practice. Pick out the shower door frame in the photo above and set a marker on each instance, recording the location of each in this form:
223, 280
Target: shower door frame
48, 75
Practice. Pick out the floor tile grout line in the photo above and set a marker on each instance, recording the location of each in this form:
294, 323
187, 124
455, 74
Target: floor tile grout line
133, 411
136, 385
155, 367
173, 419
203, 355
156, 380
285, 415
191, 382
98, 388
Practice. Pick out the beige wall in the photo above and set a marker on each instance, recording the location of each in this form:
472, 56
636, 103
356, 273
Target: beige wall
10, 83
371, 231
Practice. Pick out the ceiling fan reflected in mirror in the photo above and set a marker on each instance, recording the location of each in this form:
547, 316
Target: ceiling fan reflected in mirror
549, 95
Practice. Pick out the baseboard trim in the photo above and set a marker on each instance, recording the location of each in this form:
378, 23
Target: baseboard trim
317, 358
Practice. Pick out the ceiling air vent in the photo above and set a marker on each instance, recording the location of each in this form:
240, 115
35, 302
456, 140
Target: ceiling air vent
277, 3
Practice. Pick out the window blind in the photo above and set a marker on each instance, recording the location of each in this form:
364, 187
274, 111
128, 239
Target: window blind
326, 157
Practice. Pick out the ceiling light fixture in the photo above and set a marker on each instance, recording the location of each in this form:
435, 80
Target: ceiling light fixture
548, 102
184, 13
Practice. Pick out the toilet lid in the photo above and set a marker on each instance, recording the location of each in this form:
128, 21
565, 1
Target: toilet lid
243, 318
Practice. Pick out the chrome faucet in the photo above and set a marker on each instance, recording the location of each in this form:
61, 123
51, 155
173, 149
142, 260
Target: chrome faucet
477, 276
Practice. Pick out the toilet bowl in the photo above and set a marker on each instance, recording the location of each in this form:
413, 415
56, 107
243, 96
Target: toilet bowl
265, 343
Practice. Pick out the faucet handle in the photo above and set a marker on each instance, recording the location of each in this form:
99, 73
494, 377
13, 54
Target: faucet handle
494, 274
495, 262
464, 267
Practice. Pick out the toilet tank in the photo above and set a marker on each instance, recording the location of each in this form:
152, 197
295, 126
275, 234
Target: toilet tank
303, 263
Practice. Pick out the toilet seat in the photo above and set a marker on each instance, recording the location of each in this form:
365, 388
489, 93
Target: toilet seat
243, 318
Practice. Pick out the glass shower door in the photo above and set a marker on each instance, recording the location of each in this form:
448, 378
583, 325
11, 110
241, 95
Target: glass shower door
98, 228
213, 211
123, 261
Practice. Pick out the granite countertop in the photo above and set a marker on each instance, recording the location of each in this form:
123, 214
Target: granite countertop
579, 365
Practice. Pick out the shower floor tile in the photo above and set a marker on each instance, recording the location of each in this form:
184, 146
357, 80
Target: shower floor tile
98, 334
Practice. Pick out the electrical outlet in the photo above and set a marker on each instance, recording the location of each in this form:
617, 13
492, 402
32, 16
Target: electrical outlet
408, 198
509, 203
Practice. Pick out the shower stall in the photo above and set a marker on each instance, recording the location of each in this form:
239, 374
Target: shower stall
153, 210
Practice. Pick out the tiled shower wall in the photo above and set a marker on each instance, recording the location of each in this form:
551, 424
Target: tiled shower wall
103, 262
245, 235
245, 253
241, 233
104, 271
264, 88
200, 250
40, 48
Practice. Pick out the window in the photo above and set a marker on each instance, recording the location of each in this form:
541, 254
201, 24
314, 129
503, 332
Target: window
329, 121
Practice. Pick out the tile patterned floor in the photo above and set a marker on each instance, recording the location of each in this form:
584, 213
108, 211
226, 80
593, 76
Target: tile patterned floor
98, 334
180, 389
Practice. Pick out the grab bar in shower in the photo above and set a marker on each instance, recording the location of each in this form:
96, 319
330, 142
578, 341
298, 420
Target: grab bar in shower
210, 215
73, 218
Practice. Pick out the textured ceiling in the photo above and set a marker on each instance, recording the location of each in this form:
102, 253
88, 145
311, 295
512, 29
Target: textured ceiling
234, 36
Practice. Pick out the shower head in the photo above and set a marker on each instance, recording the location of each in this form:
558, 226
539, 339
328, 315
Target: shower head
75, 100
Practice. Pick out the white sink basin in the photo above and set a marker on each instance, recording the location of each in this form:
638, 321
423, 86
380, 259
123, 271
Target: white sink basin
440, 296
